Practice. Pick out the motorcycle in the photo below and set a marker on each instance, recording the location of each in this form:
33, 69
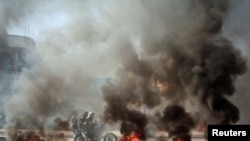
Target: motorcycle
95, 132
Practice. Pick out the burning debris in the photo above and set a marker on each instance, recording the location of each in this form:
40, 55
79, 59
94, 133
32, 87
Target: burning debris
130, 132
176, 121
133, 122
28, 136
184, 137
61, 124
36, 136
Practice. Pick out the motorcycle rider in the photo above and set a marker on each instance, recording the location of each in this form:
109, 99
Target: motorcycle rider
86, 123
91, 129
83, 121
90, 118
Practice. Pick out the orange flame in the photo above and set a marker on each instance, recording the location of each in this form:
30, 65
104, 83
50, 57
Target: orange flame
202, 127
179, 139
184, 137
34, 138
132, 137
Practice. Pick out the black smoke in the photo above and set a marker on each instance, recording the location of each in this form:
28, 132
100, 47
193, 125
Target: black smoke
194, 62
176, 121
132, 121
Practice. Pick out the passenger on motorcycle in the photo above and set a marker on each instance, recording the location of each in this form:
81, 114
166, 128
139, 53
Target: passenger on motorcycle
83, 120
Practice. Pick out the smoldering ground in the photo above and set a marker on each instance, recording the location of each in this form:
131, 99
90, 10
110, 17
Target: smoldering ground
167, 52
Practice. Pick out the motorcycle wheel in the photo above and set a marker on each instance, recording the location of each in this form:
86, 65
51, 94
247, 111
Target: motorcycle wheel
80, 138
110, 137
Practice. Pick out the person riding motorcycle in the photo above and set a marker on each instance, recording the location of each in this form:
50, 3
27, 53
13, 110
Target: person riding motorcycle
89, 129
90, 118
78, 123
86, 122
83, 120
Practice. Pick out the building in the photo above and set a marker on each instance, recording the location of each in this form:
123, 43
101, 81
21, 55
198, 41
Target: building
13, 59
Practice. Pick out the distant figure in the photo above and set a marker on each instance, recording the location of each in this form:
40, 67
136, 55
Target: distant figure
74, 124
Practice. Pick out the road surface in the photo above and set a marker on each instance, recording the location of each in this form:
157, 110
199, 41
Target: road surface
68, 136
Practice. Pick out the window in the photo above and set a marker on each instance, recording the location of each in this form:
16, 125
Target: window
13, 60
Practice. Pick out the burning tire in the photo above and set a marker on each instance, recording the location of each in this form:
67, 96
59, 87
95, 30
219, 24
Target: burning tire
110, 137
80, 138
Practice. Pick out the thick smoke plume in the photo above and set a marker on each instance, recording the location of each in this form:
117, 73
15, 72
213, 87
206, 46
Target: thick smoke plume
117, 110
156, 54
236, 29
186, 63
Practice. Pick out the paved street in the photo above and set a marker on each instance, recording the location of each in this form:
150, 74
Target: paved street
159, 136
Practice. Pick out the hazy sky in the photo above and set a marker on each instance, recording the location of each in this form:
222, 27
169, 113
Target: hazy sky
49, 17
39, 22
